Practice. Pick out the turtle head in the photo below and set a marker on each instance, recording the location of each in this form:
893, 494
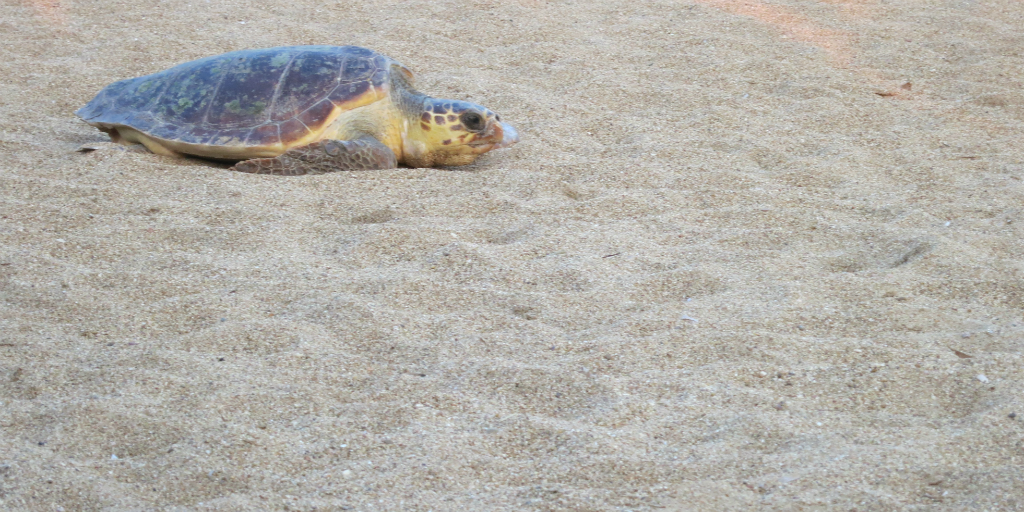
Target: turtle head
450, 132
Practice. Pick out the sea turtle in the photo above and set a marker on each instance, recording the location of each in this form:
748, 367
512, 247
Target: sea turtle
296, 110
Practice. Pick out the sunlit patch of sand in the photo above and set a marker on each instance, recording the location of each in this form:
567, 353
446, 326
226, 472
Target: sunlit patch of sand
50, 10
835, 43
854, 8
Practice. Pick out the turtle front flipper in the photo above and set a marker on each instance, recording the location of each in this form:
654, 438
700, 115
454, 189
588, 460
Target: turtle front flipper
363, 154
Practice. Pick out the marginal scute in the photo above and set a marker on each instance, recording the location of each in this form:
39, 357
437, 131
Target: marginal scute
168, 131
316, 116
293, 129
347, 92
141, 118
265, 135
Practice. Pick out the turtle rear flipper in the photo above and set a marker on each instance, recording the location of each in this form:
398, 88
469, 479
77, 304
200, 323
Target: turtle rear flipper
363, 154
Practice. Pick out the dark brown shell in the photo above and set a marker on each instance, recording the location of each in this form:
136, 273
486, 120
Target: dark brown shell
245, 98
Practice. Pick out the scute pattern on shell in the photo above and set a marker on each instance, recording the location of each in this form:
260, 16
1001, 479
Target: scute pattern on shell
243, 98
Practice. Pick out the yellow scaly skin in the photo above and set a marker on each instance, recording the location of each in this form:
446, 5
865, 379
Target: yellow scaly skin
437, 133
451, 132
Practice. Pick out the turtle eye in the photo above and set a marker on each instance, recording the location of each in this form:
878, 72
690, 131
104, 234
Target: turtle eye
472, 121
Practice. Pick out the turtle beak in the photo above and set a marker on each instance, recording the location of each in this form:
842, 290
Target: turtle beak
509, 135
499, 135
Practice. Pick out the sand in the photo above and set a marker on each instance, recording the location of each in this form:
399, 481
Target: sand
748, 255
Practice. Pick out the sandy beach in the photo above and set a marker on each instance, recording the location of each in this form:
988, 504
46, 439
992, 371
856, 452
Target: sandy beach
749, 255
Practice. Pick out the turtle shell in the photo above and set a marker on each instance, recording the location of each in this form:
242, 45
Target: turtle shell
270, 98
